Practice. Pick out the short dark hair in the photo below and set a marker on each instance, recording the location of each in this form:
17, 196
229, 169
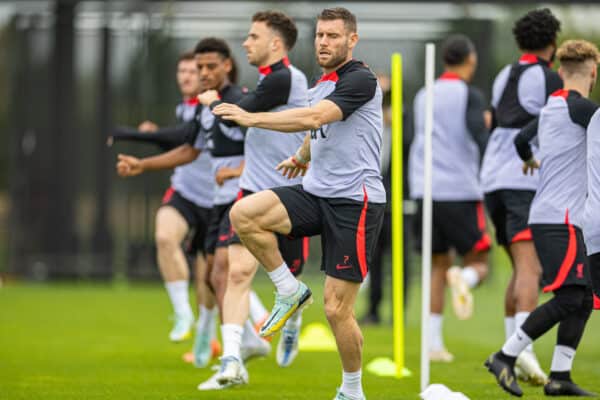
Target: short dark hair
280, 23
456, 49
536, 30
213, 45
220, 46
186, 56
331, 14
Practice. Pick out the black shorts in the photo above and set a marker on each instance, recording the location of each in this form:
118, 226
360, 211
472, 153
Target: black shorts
458, 225
219, 228
509, 211
295, 251
349, 229
196, 217
594, 261
561, 250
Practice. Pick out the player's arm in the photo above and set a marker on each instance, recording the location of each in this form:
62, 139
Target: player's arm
523, 144
227, 173
476, 118
132, 166
298, 163
167, 138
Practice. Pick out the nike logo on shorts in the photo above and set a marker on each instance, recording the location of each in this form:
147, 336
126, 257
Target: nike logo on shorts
339, 267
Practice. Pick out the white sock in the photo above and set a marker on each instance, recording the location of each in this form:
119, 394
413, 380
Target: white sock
232, 340
436, 339
516, 344
509, 326
352, 384
562, 360
206, 320
249, 335
295, 320
283, 280
520, 317
470, 276
258, 312
180, 298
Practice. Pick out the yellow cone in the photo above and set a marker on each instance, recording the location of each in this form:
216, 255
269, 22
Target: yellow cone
317, 337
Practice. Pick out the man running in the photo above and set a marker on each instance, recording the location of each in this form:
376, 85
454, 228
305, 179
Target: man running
519, 92
556, 219
341, 198
458, 216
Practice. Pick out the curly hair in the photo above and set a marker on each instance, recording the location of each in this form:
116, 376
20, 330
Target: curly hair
536, 30
280, 23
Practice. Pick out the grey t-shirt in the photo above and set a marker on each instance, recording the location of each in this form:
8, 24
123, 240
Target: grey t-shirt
345, 155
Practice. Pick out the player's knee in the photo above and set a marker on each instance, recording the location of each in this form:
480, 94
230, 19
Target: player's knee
165, 240
571, 299
239, 275
335, 309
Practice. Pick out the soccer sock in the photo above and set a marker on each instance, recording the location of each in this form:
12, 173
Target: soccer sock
562, 362
249, 336
352, 384
179, 295
258, 312
470, 276
520, 317
206, 320
436, 340
283, 280
232, 340
509, 326
516, 344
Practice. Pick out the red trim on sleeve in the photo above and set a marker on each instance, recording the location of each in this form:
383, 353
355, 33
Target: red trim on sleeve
567, 263
168, 195
361, 245
480, 216
523, 236
305, 248
450, 76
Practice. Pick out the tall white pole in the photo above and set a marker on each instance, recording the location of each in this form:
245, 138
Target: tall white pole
427, 215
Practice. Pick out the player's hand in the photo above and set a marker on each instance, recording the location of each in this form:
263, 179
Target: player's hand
530, 166
292, 168
129, 166
147, 126
223, 174
206, 98
231, 112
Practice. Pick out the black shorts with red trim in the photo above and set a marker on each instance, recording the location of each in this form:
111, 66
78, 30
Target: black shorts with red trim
219, 228
561, 250
594, 262
295, 251
458, 225
349, 229
509, 211
196, 217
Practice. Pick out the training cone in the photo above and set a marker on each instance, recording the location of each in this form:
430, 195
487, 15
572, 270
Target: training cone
440, 392
317, 337
382, 366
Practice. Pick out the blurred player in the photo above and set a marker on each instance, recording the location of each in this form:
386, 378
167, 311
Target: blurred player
280, 86
519, 92
459, 138
186, 208
341, 198
213, 60
556, 218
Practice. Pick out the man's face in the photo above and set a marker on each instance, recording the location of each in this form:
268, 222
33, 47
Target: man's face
333, 43
213, 69
258, 43
188, 79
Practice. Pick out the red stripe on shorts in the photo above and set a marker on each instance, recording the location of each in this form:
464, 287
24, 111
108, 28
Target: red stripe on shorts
567, 263
480, 216
522, 236
361, 245
305, 248
168, 194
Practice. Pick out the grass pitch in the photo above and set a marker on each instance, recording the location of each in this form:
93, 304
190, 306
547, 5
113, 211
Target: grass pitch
89, 341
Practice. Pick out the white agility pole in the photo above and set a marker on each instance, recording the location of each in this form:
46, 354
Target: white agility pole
427, 216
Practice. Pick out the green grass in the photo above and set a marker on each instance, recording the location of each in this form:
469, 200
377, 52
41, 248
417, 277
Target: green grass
87, 341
